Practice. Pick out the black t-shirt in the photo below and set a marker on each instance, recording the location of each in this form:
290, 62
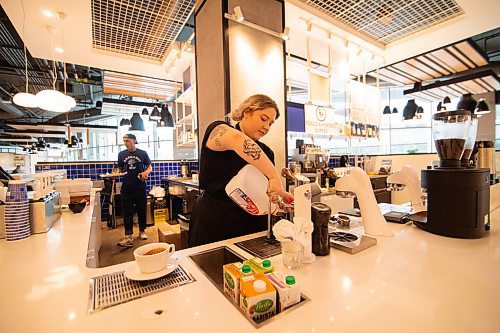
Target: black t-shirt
133, 163
215, 216
217, 168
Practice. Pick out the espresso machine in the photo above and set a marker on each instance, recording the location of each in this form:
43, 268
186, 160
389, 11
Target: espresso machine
310, 158
458, 196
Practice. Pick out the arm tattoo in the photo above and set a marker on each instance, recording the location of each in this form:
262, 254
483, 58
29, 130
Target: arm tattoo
251, 149
217, 133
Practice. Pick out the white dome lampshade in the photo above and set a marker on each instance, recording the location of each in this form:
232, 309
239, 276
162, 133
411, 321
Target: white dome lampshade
25, 99
52, 100
70, 102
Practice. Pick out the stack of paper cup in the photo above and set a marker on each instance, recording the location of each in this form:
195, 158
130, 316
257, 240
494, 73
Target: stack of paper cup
17, 221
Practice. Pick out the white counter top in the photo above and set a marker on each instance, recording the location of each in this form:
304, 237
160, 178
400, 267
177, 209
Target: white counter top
412, 282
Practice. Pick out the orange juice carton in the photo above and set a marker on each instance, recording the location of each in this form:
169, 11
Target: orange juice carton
288, 291
257, 297
259, 266
232, 274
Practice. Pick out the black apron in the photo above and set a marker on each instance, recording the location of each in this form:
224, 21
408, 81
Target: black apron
215, 216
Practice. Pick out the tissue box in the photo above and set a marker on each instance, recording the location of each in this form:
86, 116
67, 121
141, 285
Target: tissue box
170, 234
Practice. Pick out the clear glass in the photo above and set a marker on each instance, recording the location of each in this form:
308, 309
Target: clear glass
292, 252
471, 139
450, 133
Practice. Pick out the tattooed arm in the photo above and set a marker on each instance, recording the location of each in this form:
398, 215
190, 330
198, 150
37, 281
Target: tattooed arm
224, 137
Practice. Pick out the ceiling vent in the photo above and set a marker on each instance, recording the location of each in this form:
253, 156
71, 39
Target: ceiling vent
388, 20
140, 28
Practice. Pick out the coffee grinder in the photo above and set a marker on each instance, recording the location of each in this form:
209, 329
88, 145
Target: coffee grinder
458, 202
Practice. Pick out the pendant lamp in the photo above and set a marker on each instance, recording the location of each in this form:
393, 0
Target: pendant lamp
447, 100
136, 122
482, 108
467, 103
145, 112
439, 106
410, 109
387, 110
52, 100
166, 116
25, 98
420, 110
155, 114
394, 110
124, 122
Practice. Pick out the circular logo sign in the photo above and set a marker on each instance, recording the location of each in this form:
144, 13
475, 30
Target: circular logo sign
320, 113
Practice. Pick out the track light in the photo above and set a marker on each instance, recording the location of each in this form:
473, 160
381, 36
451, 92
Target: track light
238, 15
309, 27
286, 34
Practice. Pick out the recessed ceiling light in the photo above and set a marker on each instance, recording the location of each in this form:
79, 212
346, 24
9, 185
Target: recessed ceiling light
47, 13
59, 50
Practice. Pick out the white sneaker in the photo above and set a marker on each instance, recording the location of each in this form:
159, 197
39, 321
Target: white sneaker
127, 241
143, 236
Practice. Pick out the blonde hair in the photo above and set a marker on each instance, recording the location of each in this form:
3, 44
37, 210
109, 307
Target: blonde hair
254, 103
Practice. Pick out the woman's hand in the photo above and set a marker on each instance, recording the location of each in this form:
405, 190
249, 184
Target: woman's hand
275, 188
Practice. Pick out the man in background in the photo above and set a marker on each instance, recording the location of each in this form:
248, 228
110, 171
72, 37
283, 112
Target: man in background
136, 163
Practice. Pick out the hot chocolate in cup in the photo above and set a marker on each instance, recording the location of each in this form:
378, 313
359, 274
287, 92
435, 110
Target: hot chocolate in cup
153, 257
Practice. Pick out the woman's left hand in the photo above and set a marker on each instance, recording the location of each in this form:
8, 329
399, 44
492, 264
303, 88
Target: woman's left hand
275, 188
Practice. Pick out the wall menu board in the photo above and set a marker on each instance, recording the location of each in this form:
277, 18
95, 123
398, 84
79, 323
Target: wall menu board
364, 103
321, 120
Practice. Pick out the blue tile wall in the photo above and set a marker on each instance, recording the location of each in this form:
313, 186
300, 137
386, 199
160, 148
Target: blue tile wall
160, 171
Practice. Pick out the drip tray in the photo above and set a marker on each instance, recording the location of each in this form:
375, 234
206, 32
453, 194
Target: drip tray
113, 289
260, 247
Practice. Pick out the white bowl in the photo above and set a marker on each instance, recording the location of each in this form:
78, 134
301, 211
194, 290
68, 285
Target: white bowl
153, 262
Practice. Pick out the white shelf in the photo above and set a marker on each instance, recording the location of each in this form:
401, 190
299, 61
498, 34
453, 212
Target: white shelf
186, 97
186, 120
187, 144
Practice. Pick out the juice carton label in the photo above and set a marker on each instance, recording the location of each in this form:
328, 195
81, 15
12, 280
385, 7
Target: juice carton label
244, 201
231, 276
259, 306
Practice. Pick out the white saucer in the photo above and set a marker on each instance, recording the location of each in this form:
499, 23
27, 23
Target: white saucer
111, 175
133, 272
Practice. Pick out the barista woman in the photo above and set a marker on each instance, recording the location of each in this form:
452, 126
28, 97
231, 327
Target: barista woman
225, 150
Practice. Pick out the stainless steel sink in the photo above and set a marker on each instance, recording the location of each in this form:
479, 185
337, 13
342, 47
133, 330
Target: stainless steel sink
211, 262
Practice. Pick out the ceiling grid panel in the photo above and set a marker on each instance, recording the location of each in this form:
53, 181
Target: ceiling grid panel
388, 20
137, 28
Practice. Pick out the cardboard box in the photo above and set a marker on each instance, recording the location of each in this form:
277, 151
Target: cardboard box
170, 234
259, 305
232, 275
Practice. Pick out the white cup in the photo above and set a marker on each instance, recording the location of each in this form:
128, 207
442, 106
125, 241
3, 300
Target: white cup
153, 262
196, 177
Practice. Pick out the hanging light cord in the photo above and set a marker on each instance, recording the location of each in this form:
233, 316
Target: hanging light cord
25, 55
53, 60
64, 58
